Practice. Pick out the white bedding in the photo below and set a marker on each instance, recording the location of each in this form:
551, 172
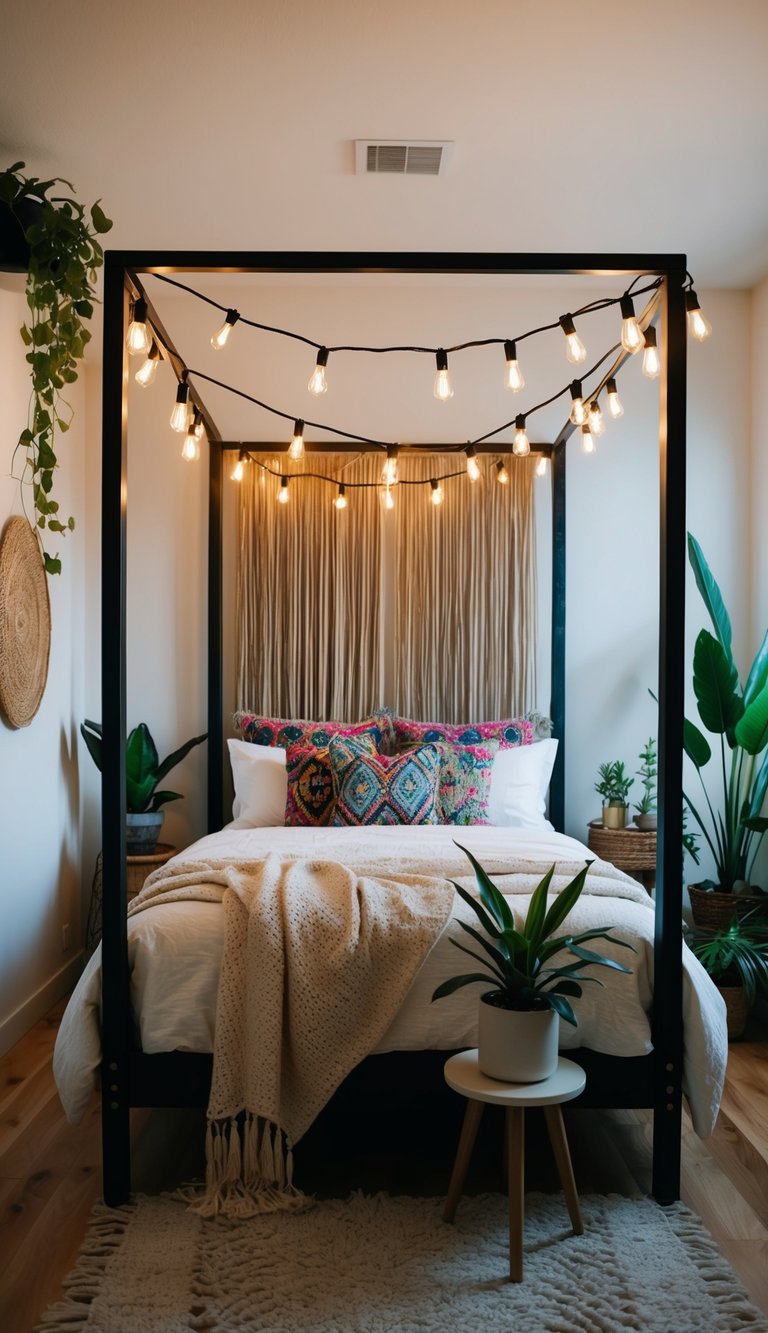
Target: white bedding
175, 952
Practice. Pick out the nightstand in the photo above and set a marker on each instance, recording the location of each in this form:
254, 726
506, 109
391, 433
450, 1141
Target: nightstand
138, 868
631, 849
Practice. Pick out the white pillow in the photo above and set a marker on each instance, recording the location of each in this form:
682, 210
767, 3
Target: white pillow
261, 784
519, 785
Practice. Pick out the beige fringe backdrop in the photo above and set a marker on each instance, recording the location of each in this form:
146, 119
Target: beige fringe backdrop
429, 609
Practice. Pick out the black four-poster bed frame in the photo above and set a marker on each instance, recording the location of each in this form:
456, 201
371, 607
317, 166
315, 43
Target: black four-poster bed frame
130, 1078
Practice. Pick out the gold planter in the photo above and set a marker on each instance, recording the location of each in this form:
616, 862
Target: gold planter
614, 816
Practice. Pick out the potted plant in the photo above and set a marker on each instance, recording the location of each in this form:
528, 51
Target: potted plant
645, 818
519, 1018
143, 772
732, 821
614, 788
736, 958
49, 235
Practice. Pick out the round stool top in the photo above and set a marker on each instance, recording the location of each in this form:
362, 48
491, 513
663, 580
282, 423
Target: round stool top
463, 1075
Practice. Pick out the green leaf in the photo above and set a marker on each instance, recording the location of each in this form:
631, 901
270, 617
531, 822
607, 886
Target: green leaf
566, 987
493, 901
489, 926
560, 1005
501, 961
710, 592
752, 728
91, 734
695, 744
758, 673
101, 222
760, 788
52, 563
590, 957
536, 914
177, 756
564, 902
141, 772
756, 823
716, 685
163, 797
493, 975
454, 983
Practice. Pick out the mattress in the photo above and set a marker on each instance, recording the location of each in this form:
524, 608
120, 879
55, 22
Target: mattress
175, 954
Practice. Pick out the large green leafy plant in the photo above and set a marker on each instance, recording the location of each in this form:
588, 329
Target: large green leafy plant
517, 962
736, 955
734, 826
143, 770
64, 255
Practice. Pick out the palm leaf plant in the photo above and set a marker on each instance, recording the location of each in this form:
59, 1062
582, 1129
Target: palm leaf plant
736, 955
738, 716
519, 962
143, 769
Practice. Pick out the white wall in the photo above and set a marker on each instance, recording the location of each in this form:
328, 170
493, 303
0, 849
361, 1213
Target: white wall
612, 497
40, 860
758, 512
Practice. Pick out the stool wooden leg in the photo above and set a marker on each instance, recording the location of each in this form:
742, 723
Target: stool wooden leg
556, 1128
472, 1117
516, 1157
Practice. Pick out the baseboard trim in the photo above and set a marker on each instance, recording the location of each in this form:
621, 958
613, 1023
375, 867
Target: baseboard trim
16, 1026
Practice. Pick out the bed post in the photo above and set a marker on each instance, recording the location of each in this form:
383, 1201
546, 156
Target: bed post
115, 1095
668, 983
557, 681
215, 637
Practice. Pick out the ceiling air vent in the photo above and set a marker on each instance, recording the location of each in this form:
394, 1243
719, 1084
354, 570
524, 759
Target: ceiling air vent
401, 157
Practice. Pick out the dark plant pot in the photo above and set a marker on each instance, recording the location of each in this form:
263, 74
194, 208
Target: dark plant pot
647, 822
14, 249
736, 1010
142, 832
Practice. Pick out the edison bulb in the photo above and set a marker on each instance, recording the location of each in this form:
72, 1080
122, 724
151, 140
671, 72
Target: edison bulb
613, 401
631, 335
147, 371
180, 416
437, 493
296, 448
282, 494
221, 337
341, 499
578, 412
389, 499
541, 467
699, 326
575, 349
502, 476
520, 444
238, 471
587, 442
389, 472
190, 449
595, 420
651, 362
443, 389
514, 379
473, 468
137, 339
317, 382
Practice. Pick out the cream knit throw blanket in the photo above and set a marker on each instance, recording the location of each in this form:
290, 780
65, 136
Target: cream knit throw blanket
317, 960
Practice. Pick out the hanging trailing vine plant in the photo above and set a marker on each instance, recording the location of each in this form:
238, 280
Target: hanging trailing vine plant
63, 257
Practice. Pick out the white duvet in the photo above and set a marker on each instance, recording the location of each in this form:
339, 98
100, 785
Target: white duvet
175, 953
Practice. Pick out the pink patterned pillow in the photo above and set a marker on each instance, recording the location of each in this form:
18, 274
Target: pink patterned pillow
375, 789
310, 798
298, 731
509, 731
464, 785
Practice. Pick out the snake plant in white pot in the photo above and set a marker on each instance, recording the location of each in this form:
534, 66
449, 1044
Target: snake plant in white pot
519, 1018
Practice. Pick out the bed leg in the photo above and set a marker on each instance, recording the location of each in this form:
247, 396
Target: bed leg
667, 1132
115, 1141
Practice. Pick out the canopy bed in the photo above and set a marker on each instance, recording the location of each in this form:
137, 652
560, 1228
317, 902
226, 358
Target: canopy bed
132, 1077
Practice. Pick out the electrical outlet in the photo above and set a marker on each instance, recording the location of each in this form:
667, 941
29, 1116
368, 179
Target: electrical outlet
65, 937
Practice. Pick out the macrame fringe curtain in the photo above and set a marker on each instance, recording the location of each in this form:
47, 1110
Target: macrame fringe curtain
434, 607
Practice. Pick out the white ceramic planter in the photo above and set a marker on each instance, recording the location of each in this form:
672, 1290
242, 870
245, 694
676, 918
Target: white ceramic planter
517, 1046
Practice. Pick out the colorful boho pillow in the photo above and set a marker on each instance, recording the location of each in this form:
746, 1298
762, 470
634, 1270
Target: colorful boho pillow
464, 784
298, 731
384, 720
511, 731
310, 794
376, 789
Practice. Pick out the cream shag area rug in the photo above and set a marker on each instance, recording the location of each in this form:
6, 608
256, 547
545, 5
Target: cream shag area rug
382, 1264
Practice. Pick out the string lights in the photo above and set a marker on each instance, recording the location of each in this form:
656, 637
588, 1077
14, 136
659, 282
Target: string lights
585, 414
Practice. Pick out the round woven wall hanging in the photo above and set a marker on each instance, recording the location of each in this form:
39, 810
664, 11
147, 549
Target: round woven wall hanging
25, 623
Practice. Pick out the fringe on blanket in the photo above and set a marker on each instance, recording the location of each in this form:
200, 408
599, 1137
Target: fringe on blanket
248, 1170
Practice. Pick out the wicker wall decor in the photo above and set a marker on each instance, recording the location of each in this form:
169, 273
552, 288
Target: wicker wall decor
25, 623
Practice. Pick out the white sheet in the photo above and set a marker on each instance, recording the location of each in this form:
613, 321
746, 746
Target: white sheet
175, 951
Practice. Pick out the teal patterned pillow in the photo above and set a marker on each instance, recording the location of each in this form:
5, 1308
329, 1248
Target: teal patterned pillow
375, 789
464, 785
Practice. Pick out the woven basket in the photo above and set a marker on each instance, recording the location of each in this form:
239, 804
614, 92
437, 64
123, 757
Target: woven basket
25, 623
736, 1010
715, 911
628, 848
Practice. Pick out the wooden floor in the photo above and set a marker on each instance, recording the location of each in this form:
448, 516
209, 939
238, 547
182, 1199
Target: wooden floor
50, 1172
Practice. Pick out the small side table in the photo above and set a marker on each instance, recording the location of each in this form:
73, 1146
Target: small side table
463, 1075
138, 868
631, 849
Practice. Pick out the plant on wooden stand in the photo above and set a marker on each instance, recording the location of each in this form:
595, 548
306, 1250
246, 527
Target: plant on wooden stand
143, 772
529, 990
63, 256
614, 788
736, 958
734, 826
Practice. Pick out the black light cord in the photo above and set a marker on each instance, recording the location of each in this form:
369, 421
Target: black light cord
600, 304
353, 485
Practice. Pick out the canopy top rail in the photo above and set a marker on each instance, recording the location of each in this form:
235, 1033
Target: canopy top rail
301, 261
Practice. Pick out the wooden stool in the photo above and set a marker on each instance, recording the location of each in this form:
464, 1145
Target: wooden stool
462, 1074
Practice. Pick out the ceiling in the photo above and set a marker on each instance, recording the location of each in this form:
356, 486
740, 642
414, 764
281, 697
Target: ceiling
577, 127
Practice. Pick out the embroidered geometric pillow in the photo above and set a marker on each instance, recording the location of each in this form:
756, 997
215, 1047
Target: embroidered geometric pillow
464, 785
310, 795
283, 731
380, 790
511, 730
